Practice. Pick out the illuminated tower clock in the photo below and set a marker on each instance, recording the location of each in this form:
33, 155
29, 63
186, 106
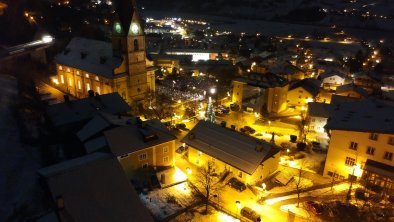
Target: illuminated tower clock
128, 42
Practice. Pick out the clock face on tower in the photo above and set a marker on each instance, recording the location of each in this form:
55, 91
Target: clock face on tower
118, 28
134, 28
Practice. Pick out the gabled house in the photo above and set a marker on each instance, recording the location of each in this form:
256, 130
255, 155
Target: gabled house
367, 81
249, 159
317, 116
142, 145
362, 144
351, 90
331, 79
302, 92
93, 188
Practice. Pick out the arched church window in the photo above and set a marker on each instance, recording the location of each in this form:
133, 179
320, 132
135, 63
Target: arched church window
136, 47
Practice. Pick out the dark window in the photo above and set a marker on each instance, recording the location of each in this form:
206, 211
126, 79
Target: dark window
353, 145
388, 155
373, 136
136, 46
371, 150
349, 161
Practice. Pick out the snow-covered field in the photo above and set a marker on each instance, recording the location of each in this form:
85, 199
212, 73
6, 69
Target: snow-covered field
165, 202
19, 189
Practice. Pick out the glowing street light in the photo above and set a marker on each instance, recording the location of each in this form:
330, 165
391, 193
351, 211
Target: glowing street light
47, 38
264, 186
212, 90
238, 203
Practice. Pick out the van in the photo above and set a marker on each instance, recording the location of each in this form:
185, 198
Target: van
250, 214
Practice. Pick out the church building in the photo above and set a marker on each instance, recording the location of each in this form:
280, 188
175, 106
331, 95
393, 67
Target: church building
105, 67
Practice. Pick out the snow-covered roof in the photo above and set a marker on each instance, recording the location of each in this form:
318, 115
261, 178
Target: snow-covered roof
267, 80
94, 188
94, 126
83, 109
319, 109
90, 55
331, 73
96, 144
240, 151
310, 85
128, 139
351, 87
363, 116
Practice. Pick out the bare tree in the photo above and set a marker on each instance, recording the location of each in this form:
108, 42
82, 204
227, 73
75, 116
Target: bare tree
300, 182
207, 181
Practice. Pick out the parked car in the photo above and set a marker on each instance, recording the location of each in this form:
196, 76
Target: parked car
250, 214
314, 207
249, 130
236, 184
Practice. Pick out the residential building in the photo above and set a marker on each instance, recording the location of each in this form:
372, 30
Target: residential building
302, 92
362, 144
288, 71
75, 113
249, 159
331, 79
367, 81
351, 90
261, 93
93, 188
317, 116
142, 145
120, 66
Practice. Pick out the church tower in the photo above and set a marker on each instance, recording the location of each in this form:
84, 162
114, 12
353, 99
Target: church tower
128, 41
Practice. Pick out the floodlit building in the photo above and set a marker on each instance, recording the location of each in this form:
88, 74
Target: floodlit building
362, 144
93, 188
302, 92
317, 116
332, 79
120, 66
142, 145
248, 159
260, 93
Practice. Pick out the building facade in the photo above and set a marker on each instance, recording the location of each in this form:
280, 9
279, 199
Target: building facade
120, 66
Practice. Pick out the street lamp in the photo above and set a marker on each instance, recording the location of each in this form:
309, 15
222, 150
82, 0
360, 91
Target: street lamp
212, 91
238, 203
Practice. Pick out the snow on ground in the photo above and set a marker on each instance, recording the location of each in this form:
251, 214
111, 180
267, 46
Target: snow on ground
18, 163
167, 201
197, 214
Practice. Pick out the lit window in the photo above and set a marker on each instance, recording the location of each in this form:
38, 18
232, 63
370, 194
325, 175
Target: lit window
391, 140
371, 150
165, 159
349, 161
98, 89
87, 86
70, 82
87, 75
97, 78
353, 145
78, 73
199, 153
60, 67
143, 156
68, 69
165, 149
388, 155
62, 79
79, 84
373, 136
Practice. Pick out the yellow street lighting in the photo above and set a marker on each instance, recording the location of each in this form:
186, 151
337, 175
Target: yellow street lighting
264, 186
188, 170
212, 90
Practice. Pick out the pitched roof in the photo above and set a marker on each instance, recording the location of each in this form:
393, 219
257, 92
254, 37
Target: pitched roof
128, 139
94, 188
240, 151
90, 55
351, 87
363, 116
83, 109
310, 85
319, 109
331, 73
267, 80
